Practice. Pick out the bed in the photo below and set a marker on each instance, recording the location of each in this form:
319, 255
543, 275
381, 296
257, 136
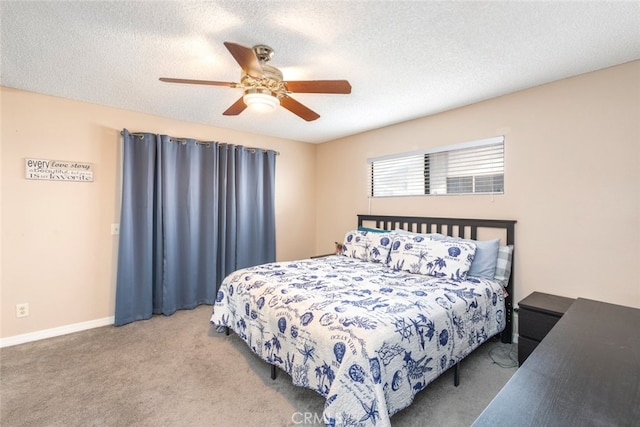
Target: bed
370, 327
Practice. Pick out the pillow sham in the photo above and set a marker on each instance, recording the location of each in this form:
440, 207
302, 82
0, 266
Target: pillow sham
484, 262
367, 246
503, 265
439, 258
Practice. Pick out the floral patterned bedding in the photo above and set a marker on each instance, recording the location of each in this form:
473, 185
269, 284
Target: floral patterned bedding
364, 336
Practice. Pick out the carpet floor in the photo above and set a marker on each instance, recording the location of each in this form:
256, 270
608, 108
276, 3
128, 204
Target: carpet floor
178, 371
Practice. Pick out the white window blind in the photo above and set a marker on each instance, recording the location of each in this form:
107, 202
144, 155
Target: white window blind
475, 167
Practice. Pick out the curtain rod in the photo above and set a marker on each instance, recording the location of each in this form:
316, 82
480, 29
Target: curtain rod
203, 143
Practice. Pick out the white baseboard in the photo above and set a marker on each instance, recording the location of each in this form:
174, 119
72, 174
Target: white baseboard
55, 332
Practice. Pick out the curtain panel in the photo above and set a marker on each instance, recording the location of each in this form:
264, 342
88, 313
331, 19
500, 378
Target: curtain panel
192, 212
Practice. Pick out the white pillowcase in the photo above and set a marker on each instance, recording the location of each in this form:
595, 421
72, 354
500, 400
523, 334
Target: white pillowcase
439, 258
484, 262
367, 246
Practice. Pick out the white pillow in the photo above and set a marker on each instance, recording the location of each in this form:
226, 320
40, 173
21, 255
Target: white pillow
439, 258
367, 246
484, 262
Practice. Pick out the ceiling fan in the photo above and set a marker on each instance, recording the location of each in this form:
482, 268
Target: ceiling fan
263, 85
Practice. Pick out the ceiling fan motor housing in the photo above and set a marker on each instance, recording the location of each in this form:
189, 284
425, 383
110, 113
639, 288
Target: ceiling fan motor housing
271, 84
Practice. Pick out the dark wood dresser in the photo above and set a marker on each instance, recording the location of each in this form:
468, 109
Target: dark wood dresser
537, 314
585, 372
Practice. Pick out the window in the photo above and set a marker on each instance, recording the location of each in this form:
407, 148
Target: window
475, 167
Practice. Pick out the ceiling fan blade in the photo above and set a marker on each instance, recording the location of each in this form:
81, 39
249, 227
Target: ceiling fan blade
247, 59
319, 86
237, 108
197, 82
298, 109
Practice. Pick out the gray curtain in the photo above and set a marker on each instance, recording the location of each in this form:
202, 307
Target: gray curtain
192, 212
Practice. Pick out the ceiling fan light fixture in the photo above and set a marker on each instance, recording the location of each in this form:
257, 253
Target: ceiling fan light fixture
261, 102
263, 86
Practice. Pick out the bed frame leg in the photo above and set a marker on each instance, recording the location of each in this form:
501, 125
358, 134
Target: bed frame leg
456, 374
273, 372
226, 330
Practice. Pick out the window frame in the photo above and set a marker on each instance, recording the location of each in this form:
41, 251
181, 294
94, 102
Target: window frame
404, 176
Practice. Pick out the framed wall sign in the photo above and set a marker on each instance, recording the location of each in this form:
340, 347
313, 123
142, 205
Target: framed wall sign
58, 170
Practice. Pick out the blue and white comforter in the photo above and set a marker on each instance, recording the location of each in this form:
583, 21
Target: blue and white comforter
365, 337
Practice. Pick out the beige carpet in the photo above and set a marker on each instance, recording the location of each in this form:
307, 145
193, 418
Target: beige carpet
177, 371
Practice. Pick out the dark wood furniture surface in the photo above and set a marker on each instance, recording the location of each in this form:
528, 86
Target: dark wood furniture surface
455, 227
322, 256
537, 314
585, 372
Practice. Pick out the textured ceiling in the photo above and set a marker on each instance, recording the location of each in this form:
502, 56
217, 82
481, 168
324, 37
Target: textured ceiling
404, 60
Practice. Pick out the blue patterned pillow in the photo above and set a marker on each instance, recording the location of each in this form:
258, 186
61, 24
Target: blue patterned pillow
484, 262
440, 258
367, 246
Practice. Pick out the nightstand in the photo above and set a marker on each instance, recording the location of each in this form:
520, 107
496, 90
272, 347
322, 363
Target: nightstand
537, 314
322, 256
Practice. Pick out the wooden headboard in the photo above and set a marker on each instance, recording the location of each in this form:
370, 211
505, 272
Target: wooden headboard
455, 227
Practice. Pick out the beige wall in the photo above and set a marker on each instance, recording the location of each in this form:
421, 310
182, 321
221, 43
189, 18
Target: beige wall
58, 253
572, 183
572, 159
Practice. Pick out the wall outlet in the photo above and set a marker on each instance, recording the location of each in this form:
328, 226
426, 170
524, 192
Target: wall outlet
115, 229
22, 310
